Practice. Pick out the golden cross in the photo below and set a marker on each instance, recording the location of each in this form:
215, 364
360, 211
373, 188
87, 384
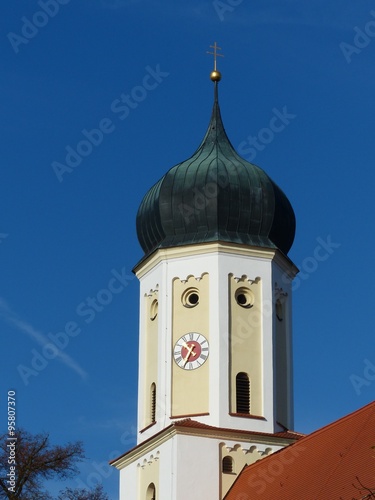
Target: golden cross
214, 53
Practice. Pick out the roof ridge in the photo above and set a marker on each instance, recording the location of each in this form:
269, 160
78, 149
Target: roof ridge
306, 437
341, 419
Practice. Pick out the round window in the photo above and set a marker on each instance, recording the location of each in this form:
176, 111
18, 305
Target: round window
190, 297
244, 297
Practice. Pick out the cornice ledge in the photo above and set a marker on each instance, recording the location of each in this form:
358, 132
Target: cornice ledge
144, 448
161, 254
235, 435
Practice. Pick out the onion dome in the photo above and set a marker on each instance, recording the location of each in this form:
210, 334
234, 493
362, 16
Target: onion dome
215, 196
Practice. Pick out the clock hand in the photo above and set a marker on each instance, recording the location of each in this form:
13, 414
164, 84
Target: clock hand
190, 350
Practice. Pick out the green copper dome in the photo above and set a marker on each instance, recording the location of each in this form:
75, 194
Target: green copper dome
215, 196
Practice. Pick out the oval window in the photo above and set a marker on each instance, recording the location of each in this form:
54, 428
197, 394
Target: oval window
154, 309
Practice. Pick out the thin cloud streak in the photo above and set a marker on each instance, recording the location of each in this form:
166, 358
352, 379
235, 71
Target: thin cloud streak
12, 319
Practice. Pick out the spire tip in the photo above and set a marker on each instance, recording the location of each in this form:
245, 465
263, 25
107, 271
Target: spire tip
215, 74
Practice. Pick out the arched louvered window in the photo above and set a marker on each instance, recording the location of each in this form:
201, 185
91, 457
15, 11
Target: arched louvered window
151, 492
242, 393
153, 403
227, 465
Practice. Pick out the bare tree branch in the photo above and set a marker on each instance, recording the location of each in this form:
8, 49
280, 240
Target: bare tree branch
82, 494
36, 460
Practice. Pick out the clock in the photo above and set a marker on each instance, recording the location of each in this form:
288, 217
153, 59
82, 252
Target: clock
191, 351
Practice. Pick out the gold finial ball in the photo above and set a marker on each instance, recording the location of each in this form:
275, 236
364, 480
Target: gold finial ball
215, 76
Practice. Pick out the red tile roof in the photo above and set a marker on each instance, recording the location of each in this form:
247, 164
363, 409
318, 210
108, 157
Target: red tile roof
193, 424
329, 464
198, 425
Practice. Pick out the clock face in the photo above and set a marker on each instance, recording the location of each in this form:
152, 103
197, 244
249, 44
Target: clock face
191, 351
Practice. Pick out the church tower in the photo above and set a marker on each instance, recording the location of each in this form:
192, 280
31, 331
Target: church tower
215, 349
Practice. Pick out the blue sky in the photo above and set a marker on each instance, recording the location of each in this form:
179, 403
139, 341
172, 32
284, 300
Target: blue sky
68, 239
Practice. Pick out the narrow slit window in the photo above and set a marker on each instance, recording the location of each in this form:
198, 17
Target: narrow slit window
151, 492
242, 393
279, 310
